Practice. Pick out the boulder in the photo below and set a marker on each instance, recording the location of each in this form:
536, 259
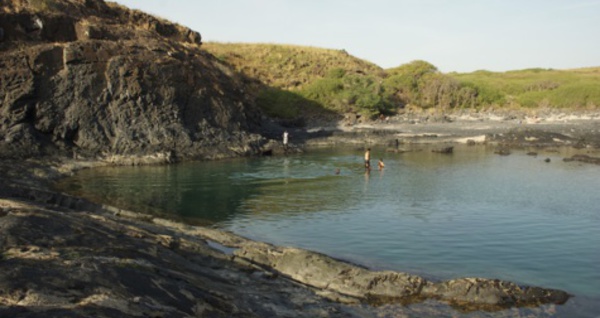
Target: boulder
503, 151
445, 150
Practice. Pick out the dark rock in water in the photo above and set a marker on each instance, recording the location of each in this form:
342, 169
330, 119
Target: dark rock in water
446, 150
502, 151
583, 158
533, 154
547, 160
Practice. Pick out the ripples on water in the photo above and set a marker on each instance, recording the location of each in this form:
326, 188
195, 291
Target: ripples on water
471, 213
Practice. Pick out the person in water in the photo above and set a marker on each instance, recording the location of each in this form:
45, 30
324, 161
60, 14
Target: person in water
380, 164
368, 159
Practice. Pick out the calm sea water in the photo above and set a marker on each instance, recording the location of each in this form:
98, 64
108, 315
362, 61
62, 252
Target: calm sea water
471, 213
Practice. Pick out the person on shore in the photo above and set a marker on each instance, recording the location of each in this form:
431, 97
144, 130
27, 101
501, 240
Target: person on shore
368, 159
380, 164
285, 140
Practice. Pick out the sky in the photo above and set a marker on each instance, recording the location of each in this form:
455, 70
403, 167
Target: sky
454, 35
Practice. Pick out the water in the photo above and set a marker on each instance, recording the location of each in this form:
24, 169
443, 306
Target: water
472, 213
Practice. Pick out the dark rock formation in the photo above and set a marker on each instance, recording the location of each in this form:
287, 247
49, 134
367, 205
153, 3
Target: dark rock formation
446, 150
95, 79
503, 151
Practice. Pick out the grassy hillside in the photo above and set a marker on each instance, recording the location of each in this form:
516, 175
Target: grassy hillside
293, 81
287, 66
531, 88
297, 80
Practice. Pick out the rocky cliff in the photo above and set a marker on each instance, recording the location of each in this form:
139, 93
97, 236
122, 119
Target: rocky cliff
89, 78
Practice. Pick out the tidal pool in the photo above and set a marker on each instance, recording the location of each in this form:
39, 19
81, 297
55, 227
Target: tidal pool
442, 216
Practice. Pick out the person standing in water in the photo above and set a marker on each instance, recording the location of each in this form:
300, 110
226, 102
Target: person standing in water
285, 140
380, 164
368, 159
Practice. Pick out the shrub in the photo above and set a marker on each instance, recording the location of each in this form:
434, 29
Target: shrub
279, 103
345, 92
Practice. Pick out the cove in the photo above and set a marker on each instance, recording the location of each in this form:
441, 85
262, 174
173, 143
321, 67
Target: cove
442, 216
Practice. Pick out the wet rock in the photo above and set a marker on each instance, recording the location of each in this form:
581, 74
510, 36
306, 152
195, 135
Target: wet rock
446, 150
583, 158
503, 151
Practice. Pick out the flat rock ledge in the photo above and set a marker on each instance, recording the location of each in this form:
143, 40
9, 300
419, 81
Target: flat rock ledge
339, 280
64, 255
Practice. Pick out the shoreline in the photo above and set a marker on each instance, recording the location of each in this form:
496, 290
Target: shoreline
26, 197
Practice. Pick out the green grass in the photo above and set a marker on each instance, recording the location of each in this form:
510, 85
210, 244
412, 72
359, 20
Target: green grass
532, 88
286, 66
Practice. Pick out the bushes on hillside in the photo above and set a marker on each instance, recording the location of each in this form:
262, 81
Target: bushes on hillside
344, 92
419, 83
533, 88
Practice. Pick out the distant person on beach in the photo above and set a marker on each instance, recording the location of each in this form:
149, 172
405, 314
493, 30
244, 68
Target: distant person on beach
368, 159
380, 164
285, 139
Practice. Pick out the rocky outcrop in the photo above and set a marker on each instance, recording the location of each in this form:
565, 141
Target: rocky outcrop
338, 279
537, 137
57, 263
93, 79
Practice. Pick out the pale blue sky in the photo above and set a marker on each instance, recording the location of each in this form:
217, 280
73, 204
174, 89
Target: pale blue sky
454, 35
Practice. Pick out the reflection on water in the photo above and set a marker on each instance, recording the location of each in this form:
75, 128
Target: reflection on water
471, 213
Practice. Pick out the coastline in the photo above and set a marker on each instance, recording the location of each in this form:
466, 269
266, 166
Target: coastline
198, 271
